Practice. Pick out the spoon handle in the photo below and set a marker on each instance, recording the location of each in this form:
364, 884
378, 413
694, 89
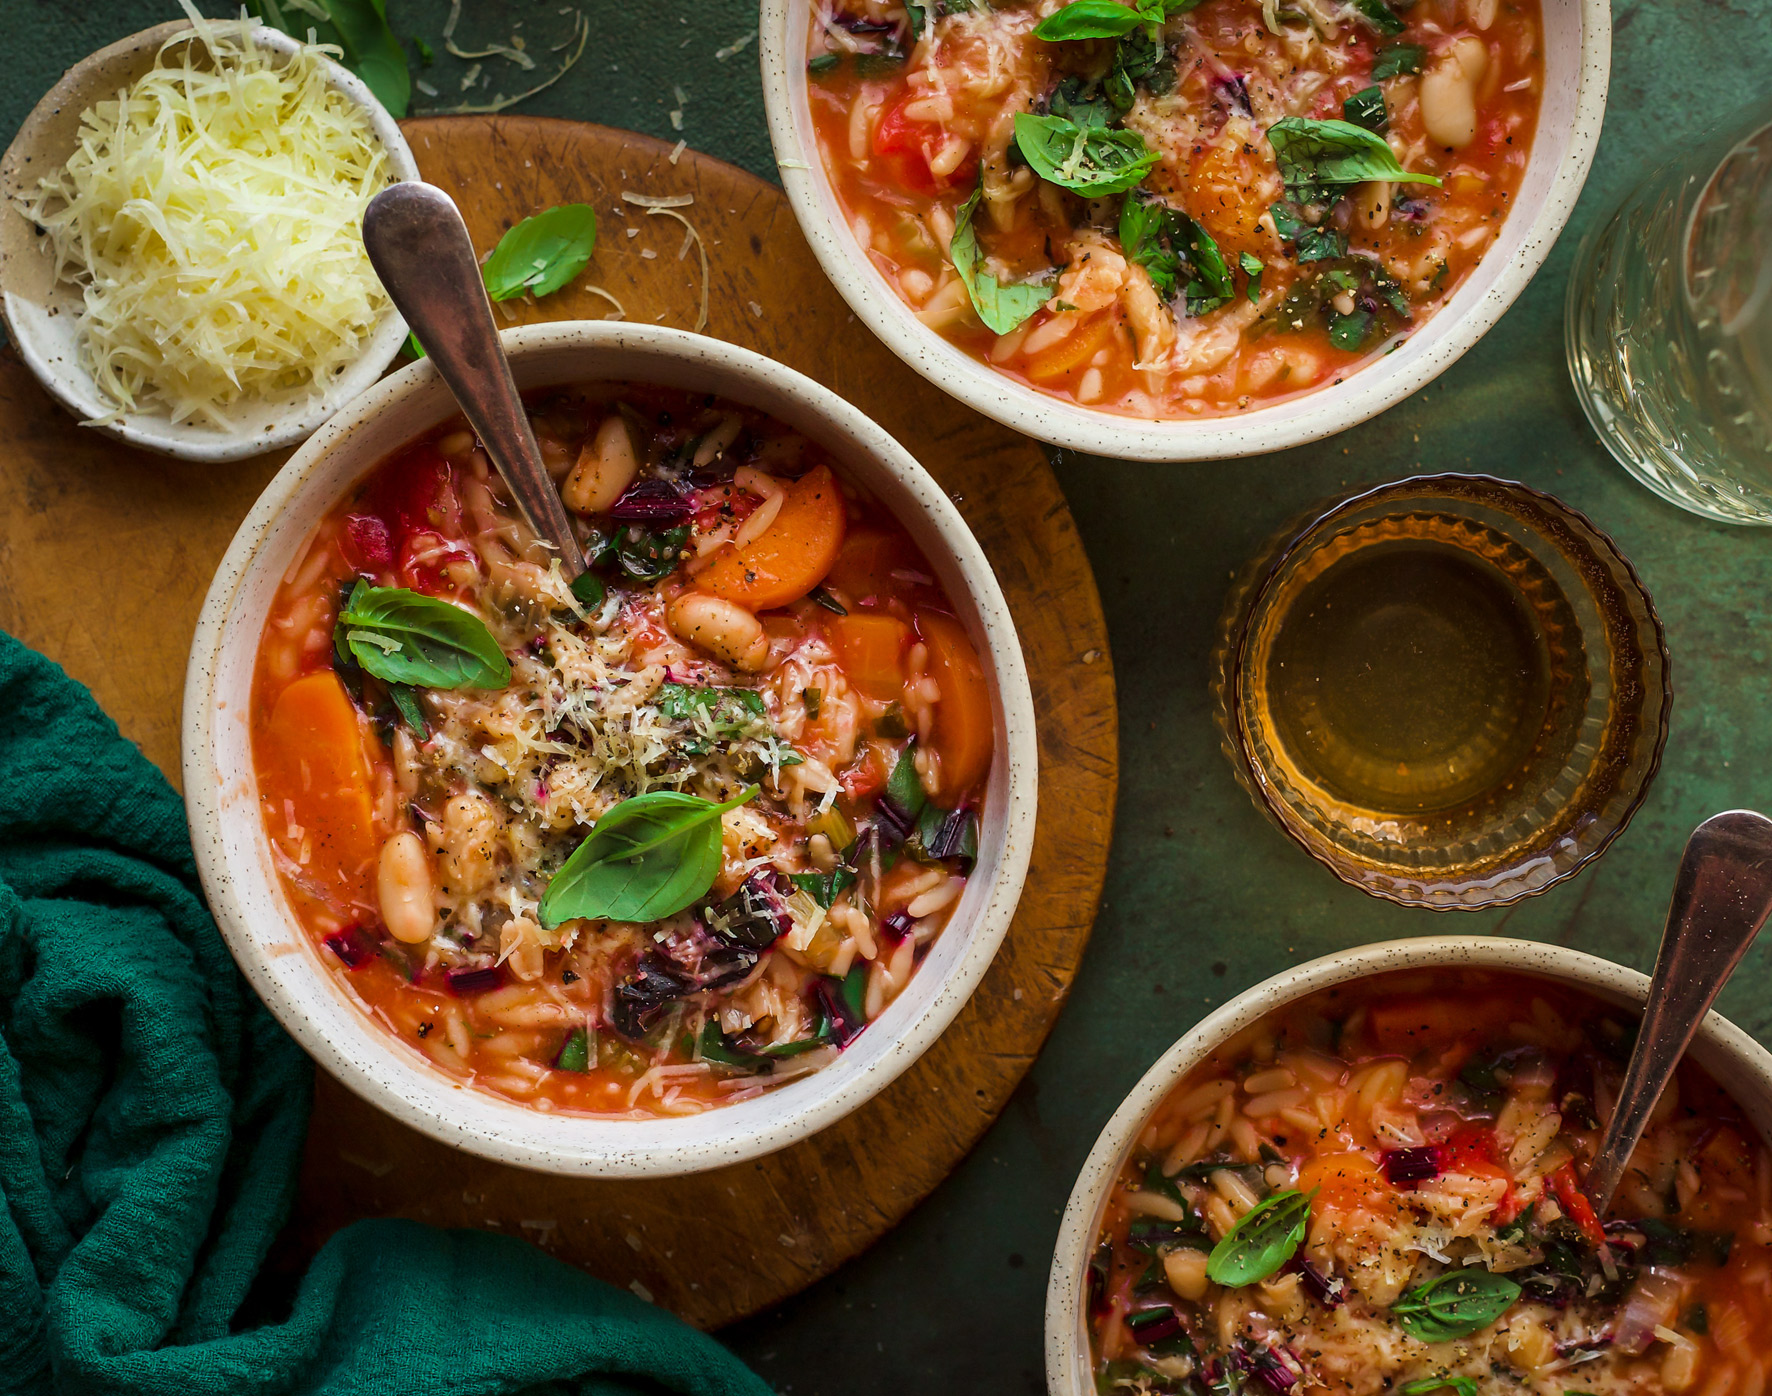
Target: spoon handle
1721, 899
420, 249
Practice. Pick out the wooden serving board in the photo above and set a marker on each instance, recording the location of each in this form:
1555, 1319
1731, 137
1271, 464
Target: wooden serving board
105, 554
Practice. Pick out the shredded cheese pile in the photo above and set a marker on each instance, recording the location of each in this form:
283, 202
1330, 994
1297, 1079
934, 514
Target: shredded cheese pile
211, 214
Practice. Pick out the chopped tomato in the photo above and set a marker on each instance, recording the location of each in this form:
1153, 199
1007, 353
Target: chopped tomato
1575, 1205
865, 776
871, 650
910, 146
964, 730
424, 553
419, 492
791, 556
313, 755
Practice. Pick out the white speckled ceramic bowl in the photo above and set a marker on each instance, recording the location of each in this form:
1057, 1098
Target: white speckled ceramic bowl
1739, 1064
281, 959
42, 313
1577, 63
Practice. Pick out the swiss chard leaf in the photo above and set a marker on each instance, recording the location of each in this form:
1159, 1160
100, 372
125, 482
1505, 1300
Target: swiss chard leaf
575, 1052
588, 589
1001, 307
403, 637
405, 701
542, 253
647, 858
646, 556
1349, 331
825, 888
904, 787
1309, 244
1089, 160
1264, 1239
360, 30
1313, 154
1455, 1305
1394, 60
1366, 108
1140, 59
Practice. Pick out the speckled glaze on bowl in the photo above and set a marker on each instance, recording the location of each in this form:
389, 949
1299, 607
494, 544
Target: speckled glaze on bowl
42, 313
1577, 66
1739, 1064
280, 958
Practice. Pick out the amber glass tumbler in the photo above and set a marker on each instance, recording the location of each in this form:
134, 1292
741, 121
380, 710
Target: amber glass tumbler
1451, 690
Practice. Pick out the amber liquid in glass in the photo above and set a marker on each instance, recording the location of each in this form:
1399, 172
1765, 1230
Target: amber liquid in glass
1412, 675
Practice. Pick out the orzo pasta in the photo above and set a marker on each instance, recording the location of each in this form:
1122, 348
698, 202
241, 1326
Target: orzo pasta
1378, 1189
1169, 208
650, 842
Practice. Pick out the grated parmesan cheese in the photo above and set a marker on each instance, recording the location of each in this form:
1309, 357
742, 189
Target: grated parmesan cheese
211, 215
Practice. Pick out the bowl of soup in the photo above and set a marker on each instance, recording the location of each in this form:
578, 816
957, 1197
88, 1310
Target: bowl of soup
1182, 231
641, 872
1366, 1175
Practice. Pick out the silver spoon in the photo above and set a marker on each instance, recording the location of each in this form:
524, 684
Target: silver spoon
420, 249
1721, 899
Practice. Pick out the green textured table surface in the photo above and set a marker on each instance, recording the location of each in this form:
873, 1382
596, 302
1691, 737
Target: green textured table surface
1204, 898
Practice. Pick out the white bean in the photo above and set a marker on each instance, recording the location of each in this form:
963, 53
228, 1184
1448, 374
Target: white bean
403, 882
723, 628
606, 466
1449, 93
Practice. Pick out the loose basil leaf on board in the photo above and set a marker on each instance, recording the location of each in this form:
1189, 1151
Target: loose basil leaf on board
401, 636
1001, 307
1455, 1305
1089, 19
1314, 153
542, 253
1252, 268
1366, 108
1087, 160
647, 858
1267, 1236
1394, 60
360, 30
1464, 1386
1380, 16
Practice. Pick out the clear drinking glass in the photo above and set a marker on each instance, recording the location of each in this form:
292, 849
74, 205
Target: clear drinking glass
1669, 326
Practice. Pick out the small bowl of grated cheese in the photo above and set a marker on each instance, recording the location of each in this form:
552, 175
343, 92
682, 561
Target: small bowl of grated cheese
181, 256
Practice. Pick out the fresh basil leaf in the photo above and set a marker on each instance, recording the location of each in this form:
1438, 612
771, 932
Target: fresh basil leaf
1001, 307
360, 30
1151, 234
647, 858
1078, 101
716, 1047
1314, 153
1464, 1386
413, 347
542, 253
1380, 16
1349, 331
1455, 1305
1266, 1237
1309, 244
1092, 161
904, 787
1366, 108
1252, 268
1089, 19
825, 888
405, 702
1141, 59
1394, 60
919, 17
403, 637
1211, 286
647, 556
575, 1052
588, 590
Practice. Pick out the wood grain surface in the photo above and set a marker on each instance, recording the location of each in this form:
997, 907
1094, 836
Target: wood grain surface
713, 1246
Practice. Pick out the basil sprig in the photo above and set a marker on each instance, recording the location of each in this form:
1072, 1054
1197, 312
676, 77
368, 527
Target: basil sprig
1165, 241
1455, 1305
1267, 1236
1108, 19
647, 858
1089, 160
542, 253
360, 30
1313, 154
403, 637
1001, 307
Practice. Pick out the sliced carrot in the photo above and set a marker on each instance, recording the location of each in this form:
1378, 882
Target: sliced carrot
869, 557
791, 556
963, 731
1073, 351
871, 647
1344, 1182
311, 755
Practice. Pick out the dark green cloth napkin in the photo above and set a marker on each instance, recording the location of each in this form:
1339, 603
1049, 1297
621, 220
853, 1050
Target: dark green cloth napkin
151, 1121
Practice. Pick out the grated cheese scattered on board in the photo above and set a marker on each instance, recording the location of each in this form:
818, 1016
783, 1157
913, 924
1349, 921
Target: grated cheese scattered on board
211, 214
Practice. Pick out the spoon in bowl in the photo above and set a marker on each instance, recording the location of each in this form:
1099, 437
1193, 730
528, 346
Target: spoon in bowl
1722, 897
420, 249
